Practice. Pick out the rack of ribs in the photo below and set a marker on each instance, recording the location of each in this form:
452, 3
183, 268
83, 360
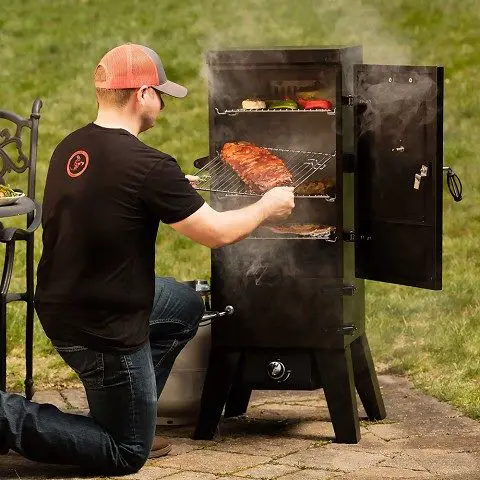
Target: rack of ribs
257, 167
309, 229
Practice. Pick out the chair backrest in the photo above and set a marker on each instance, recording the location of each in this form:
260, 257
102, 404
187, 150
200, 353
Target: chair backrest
16, 138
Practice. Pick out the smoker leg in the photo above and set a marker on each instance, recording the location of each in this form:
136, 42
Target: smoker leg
218, 381
336, 370
237, 402
366, 379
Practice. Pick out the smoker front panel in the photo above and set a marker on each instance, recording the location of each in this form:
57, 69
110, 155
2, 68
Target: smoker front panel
286, 293
275, 304
275, 369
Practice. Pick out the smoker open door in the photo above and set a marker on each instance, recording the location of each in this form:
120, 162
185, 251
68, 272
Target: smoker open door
398, 174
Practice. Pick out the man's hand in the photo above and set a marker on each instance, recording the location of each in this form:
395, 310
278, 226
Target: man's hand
278, 202
216, 229
192, 179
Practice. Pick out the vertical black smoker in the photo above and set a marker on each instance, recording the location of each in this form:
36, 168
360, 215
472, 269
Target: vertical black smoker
299, 320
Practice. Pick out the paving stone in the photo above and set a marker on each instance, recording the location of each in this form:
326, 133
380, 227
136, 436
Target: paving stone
446, 463
52, 397
438, 426
262, 396
272, 425
229, 477
262, 445
369, 443
150, 473
312, 430
14, 466
210, 461
185, 445
445, 441
192, 476
291, 411
307, 474
76, 397
280, 436
402, 460
384, 473
326, 459
318, 403
388, 431
419, 410
267, 471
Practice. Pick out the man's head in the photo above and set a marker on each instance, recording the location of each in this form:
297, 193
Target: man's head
131, 77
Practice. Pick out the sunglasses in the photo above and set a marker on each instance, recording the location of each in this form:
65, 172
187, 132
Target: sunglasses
162, 103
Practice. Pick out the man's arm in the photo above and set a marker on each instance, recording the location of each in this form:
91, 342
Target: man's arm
216, 229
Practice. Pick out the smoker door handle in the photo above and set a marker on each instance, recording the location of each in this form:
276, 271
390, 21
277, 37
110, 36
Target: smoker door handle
211, 315
454, 184
201, 162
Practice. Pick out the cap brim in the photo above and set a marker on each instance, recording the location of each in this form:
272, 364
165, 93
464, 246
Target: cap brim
171, 88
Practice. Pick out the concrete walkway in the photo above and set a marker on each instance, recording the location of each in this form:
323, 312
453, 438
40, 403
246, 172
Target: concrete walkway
288, 436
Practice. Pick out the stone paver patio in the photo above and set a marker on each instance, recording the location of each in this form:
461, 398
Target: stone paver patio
288, 436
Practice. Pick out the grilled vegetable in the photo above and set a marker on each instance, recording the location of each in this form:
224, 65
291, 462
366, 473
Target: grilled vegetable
318, 103
283, 104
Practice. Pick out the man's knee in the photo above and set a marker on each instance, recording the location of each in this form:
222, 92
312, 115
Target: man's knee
131, 459
136, 461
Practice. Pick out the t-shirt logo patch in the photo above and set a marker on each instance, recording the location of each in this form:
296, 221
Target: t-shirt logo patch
77, 163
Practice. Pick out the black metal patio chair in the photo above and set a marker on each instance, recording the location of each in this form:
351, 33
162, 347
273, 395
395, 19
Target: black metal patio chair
13, 138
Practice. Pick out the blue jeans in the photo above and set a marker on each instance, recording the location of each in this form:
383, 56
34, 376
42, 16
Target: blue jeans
122, 393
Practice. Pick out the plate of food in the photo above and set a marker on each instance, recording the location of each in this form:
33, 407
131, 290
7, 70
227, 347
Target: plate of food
9, 196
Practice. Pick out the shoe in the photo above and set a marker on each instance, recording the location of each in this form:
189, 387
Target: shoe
160, 447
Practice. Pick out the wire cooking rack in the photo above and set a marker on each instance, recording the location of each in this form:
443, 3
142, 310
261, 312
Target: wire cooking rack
218, 176
236, 111
263, 233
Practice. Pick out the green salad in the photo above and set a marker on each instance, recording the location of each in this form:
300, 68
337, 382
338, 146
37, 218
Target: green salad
6, 191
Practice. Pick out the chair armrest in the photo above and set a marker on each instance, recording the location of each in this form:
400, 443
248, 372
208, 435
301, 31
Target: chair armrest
12, 233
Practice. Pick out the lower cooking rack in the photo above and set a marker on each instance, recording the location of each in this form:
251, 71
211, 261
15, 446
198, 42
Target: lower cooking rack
265, 233
218, 176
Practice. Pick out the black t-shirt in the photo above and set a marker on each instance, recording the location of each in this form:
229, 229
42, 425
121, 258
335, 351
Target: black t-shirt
105, 194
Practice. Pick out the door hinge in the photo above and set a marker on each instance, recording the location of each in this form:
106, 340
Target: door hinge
349, 290
348, 329
348, 100
352, 236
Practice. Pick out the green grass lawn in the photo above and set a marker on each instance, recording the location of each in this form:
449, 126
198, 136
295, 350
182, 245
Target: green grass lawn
49, 50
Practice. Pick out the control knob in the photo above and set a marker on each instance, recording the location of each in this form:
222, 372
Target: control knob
277, 371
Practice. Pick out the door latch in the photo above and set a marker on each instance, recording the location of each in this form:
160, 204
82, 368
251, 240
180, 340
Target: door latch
351, 236
419, 176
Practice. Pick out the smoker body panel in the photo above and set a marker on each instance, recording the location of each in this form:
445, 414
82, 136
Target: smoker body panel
297, 302
236, 58
399, 174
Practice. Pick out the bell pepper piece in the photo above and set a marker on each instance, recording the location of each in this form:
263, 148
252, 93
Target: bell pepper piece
319, 103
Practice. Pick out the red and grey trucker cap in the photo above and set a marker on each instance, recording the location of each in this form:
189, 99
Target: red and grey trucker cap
131, 66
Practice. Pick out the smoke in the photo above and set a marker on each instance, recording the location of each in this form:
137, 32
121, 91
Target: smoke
400, 102
263, 24
251, 24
